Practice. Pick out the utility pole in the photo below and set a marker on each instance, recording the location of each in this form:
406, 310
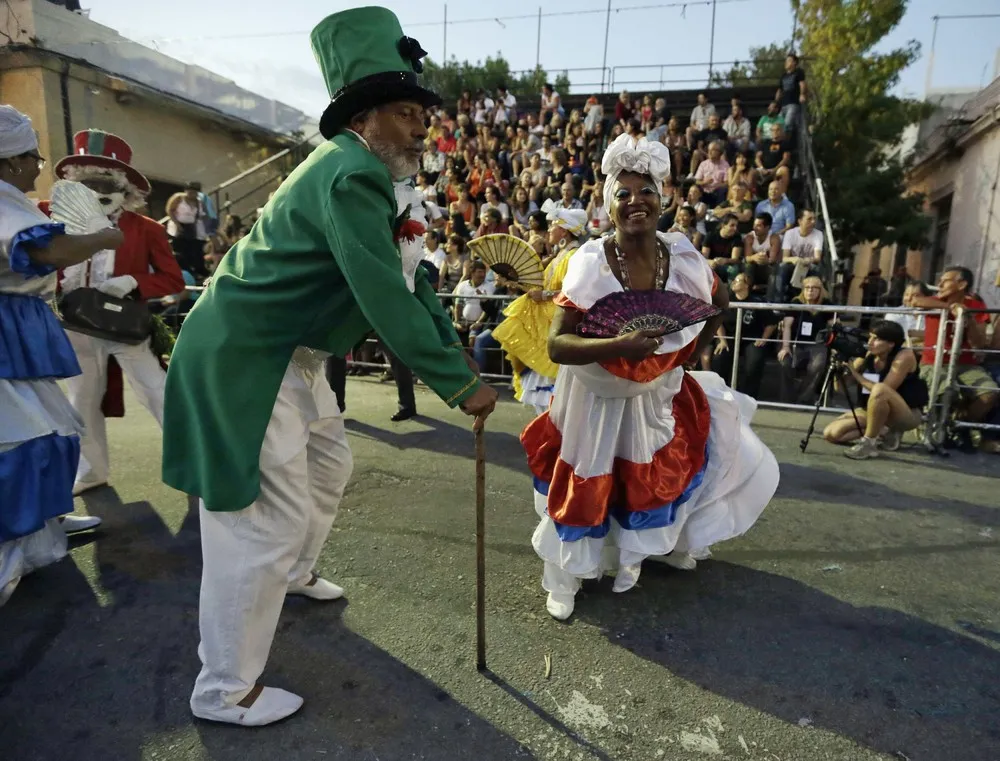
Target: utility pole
444, 56
711, 47
607, 27
538, 44
930, 59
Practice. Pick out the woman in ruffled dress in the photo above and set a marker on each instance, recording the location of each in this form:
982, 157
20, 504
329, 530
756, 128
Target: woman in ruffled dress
525, 330
40, 431
637, 457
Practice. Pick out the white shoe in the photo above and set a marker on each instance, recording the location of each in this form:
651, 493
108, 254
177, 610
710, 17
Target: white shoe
263, 705
73, 524
316, 588
560, 605
84, 486
626, 577
682, 561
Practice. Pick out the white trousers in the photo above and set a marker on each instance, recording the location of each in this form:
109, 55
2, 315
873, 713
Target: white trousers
86, 391
251, 555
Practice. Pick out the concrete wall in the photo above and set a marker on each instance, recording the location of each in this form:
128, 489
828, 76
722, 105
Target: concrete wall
172, 143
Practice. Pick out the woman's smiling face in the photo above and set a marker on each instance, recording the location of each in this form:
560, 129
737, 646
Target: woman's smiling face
636, 203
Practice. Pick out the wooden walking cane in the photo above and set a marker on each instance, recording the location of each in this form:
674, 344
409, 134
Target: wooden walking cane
480, 551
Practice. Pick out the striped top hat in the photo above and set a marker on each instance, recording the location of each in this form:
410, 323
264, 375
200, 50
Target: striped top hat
94, 147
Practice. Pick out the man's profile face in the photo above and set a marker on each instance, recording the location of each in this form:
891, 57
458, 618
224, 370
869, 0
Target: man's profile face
950, 284
396, 133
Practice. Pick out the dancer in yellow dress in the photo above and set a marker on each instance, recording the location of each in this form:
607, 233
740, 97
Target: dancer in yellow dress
525, 331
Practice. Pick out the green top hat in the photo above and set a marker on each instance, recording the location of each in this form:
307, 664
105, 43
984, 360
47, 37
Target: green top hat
366, 61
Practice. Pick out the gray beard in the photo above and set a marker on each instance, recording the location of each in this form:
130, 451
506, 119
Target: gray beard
399, 163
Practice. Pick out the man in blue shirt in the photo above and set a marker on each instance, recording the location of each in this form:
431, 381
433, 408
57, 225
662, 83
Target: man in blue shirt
782, 210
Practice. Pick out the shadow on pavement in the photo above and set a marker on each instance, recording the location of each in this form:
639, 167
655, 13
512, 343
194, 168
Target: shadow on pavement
98, 677
503, 449
889, 681
801, 482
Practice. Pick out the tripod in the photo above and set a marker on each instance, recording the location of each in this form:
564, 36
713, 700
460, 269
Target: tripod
833, 363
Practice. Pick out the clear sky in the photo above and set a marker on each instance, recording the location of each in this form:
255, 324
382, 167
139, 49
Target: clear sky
264, 46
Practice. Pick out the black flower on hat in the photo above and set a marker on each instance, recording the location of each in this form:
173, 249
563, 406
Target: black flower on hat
409, 48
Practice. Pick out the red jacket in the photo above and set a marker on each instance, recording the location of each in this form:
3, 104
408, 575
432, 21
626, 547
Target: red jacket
145, 255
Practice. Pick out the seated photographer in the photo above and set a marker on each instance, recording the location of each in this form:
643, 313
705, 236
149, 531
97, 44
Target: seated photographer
758, 326
801, 347
893, 391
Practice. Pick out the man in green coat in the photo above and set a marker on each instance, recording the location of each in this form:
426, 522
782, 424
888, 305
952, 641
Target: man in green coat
251, 425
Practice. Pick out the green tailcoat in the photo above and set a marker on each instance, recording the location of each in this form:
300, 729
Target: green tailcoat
319, 269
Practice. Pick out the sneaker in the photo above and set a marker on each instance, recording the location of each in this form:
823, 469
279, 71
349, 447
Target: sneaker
890, 441
865, 449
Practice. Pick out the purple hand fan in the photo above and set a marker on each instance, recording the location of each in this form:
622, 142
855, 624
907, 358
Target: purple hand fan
625, 311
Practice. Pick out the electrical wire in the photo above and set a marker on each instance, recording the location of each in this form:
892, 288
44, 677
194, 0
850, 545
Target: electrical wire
684, 4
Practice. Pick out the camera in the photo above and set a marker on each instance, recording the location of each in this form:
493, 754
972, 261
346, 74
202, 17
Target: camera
846, 342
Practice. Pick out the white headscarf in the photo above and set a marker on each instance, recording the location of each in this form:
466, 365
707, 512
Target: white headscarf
573, 221
626, 154
16, 134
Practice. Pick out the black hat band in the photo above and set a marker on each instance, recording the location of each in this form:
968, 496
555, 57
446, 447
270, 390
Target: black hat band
381, 79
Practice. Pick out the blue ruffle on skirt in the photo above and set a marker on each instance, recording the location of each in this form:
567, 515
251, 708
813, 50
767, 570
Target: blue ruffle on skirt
658, 517
36, 483
32, 342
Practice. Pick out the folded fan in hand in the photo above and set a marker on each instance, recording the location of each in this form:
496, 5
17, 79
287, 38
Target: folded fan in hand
622, 312
78, 208
510, 257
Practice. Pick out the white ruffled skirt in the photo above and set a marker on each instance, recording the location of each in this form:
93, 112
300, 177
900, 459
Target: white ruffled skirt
604, 418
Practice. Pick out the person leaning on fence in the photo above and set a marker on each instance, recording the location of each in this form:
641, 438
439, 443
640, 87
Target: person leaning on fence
977, 389
801, 350
893, 394
759, 326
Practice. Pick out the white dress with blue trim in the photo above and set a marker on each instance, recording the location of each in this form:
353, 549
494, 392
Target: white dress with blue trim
40, 431
640, 459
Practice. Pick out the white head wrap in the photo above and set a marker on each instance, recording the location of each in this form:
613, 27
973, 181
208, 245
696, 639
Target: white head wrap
626, 154
573, 221
16, 135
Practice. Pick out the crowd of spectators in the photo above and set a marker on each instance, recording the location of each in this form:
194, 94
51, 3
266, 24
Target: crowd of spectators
493, 165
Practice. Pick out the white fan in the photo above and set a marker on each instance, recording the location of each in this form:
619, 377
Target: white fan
78, 208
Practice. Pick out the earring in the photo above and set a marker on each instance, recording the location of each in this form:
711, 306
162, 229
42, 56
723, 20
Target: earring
16, 171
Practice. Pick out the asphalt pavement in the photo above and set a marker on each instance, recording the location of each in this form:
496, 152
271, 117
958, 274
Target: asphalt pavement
858, 620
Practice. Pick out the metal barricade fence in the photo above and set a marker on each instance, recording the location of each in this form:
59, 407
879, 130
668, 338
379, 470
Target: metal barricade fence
837, 310
943, 376
175, 324
952, 375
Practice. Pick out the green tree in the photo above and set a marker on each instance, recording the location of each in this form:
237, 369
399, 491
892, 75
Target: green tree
765, 67
452, 77
858, 122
